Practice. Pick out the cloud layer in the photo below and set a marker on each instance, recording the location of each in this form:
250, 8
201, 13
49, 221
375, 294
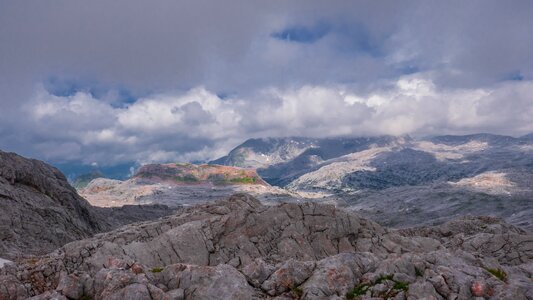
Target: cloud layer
184, 80
203, 126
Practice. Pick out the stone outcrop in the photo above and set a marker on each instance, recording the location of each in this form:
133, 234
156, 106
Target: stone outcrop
39, 206
240, 249
40, 211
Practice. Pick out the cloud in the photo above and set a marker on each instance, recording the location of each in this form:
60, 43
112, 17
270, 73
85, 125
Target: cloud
199, 125
139, 80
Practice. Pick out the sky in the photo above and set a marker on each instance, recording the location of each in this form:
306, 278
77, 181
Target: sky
110, 82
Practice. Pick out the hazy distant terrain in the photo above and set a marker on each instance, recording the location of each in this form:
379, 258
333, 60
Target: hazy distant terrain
396, 181
180, 184
401, 181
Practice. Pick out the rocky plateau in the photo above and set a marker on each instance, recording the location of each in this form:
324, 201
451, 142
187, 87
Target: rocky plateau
239, 248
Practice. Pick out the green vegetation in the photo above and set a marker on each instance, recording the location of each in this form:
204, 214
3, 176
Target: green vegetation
244, 180
187, 178
382, 279
359, 290
418, 273
297, 291
399, 285
156, 270
498, 273
363, 288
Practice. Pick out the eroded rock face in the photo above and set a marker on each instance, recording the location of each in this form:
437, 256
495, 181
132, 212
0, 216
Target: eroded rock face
40, 211
240, 249
39, 207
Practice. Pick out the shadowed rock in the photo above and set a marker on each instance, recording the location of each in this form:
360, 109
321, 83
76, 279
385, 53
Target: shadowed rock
40, 211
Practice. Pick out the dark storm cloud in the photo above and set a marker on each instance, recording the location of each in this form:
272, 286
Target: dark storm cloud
112, 81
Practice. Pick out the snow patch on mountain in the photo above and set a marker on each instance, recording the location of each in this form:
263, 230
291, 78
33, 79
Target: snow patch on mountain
261, 153
526, 148
330, 176
444, 152
487, 182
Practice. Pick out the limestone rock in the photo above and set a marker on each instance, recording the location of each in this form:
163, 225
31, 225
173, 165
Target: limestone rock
41, 211
238, 248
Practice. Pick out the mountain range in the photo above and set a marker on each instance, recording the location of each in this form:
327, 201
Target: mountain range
396, 181
238, 248
402, 181
447, 217
281, 161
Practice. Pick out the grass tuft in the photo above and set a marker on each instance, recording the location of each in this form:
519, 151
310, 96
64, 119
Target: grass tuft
498, 273
244, 180
297, 291
156, 270
399, 285
383, 278
363, 288
359, 290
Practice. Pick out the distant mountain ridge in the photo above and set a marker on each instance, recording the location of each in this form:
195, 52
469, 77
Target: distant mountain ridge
281, 160
284, 160
263, 152
83, 180
428, 180
79, 171
179, 184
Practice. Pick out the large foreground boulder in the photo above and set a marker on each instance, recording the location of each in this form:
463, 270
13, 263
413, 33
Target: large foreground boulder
40, 211
240, 249
39, 207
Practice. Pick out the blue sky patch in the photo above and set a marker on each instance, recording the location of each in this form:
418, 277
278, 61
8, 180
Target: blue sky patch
514, 76
66, 88
302, 34
347, 38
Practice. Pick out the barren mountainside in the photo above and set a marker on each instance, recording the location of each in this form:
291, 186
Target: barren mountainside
186, 173
401, 181
178, 184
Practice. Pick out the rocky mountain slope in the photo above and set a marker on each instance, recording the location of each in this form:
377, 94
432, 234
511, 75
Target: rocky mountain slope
186, 173
437, 203
381, 162
177, 185
402, 181
298, 155
262, 153
240, 249
40, 211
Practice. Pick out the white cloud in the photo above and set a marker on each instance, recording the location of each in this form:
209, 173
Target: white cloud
199, 125
350, 81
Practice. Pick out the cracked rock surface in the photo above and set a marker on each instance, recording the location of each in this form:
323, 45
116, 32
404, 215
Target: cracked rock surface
40, 211
238, 248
